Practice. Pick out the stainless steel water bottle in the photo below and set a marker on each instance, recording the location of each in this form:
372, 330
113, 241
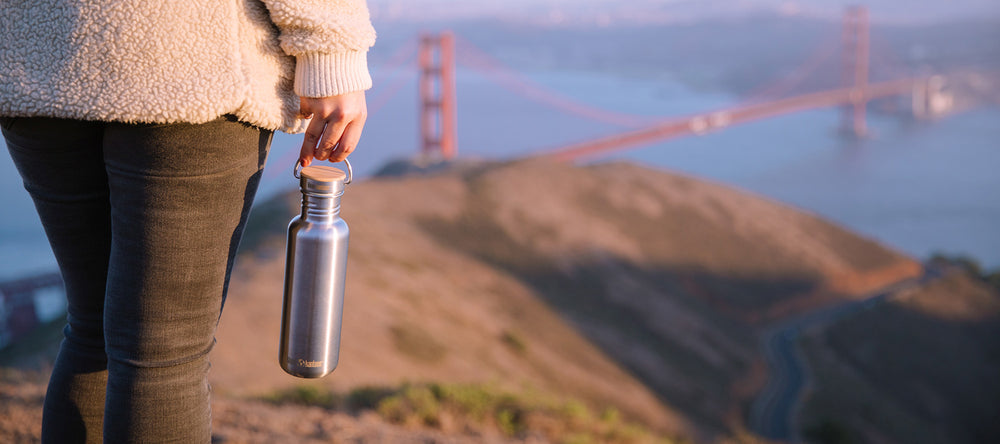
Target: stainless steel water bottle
315, 270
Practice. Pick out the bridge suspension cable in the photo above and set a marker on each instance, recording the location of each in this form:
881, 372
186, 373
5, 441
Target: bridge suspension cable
473, 57
794, 79
884, 60
400, 60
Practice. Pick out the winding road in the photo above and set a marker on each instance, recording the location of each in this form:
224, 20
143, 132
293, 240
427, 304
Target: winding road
773, 413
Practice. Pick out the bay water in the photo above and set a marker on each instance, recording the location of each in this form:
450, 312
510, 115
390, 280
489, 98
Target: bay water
919, 187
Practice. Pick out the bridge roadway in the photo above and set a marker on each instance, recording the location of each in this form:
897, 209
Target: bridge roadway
773, 413
28, 285
702, 123
18, 313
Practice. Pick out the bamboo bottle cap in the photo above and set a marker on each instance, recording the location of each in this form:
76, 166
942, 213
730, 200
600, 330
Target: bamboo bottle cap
322, 180
322, 173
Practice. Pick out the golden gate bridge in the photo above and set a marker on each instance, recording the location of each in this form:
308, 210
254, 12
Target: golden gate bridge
438, 54
436, 57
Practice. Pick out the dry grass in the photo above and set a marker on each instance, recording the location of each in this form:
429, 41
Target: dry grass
418, 309
669, 275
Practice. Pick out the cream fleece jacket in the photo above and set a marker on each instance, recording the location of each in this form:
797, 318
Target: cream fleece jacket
171, 61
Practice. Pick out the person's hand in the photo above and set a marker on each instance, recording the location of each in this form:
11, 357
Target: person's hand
335, 128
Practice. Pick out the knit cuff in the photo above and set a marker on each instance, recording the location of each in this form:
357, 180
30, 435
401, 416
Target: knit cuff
324, 75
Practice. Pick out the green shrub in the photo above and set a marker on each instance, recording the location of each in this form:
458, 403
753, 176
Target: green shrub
367, 397
475, 401
412, 405
610, 415
424, 404
510, 421
576, 411
479, 407
310, 395
514, 342
578, 438
393, 410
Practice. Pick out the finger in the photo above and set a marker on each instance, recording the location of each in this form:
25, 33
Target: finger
349, 141
313, 134
304, 111
331, 137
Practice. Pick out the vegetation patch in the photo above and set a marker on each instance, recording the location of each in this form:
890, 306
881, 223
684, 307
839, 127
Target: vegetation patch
416, 343
514, 342
480, 409
311, 395
970, 265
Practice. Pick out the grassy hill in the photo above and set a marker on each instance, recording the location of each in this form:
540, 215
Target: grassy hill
615, 284
613, 303
419, 310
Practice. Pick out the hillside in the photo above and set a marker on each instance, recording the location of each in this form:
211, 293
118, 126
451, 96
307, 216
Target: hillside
615, 284
418, 310
544, 302
923, 368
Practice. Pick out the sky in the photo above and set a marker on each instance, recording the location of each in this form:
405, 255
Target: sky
568, 12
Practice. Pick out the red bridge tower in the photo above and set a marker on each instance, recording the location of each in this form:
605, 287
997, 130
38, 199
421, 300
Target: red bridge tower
437, 95
855, 74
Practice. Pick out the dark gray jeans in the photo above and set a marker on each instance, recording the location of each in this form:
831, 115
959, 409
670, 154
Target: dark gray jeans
144, 221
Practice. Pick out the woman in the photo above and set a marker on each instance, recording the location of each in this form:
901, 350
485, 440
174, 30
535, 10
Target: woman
140, 130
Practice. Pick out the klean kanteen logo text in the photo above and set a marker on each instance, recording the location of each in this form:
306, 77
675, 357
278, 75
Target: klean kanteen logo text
305, 363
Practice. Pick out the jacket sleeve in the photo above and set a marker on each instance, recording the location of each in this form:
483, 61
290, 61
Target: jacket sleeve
329, 40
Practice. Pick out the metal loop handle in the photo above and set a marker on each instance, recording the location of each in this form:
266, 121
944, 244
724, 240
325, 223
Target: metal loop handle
298, 167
